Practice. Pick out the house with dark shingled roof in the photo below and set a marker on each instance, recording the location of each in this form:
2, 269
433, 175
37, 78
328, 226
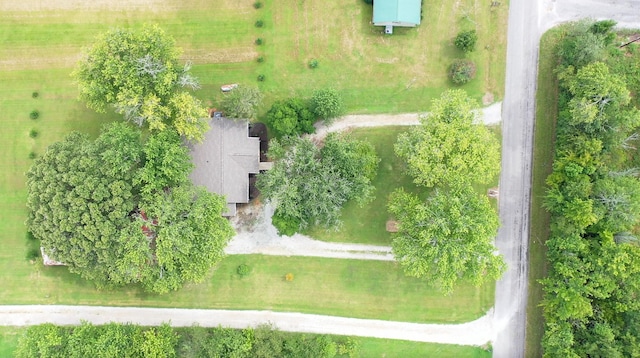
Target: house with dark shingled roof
225, 159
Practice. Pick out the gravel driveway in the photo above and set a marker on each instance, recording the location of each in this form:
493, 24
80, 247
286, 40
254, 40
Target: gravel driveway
262, 238
475, 333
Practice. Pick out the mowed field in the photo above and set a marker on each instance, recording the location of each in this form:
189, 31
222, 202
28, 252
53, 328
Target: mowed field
40, 42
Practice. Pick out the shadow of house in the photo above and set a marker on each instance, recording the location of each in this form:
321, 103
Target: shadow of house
225, 159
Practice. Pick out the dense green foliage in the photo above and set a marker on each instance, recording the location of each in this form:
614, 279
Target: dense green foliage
327, 104
87, 340
585, 42
241, 103
448, 147
590, 306
119, 210
448, 237
127, 340
290, 117
462, 71
137, 72
309, 185
466, 41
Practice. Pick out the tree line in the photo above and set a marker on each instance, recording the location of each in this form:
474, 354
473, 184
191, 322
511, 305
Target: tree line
590, 304
129, 340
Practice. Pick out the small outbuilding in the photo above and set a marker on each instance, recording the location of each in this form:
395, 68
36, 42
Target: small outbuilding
48, 261
402, 13
225, 159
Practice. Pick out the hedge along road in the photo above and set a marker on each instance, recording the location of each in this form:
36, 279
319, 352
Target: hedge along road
527, 21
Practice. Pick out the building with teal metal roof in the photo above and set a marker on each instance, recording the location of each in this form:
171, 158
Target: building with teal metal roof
396, 12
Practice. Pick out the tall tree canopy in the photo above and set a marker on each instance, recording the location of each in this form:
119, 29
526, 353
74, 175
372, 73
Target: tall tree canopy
593, 281
448, 237
449, 147
309, 185
137, 72
118, 210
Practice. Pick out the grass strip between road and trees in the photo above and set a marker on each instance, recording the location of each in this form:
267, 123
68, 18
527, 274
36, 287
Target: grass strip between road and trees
544, 139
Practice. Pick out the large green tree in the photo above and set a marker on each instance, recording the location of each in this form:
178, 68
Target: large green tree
137, 72
309, 185
448, 237
449, 147
120, 210
290, 117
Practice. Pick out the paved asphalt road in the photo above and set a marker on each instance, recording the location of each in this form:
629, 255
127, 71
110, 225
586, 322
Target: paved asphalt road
528, 19
518, 110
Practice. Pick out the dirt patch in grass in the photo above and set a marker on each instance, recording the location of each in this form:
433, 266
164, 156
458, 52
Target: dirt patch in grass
225, 55
39, 5
544, 138
487, 99
39, 62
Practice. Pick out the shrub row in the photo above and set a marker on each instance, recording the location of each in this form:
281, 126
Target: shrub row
127, 340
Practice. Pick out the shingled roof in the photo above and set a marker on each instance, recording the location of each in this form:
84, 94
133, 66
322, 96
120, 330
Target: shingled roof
224, 160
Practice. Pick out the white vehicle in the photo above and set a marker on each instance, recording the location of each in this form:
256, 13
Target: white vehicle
228, 88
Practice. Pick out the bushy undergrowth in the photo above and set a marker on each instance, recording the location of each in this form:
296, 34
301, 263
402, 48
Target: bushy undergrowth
127, 340
593, 197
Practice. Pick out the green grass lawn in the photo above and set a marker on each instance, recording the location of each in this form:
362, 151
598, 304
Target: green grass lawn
372, 347
9, 340
367, 224
545, 128
375, 73
352, 288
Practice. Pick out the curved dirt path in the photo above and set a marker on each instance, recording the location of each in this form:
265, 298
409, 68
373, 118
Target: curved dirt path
262, 238
488, 115
474, 333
